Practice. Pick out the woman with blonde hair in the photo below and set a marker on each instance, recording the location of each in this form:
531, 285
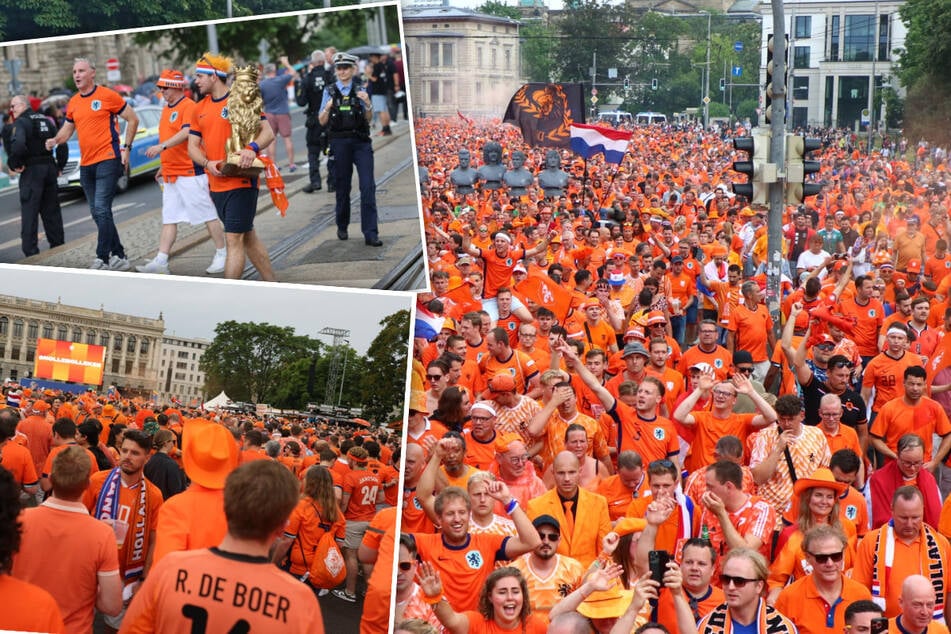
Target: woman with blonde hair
815, 503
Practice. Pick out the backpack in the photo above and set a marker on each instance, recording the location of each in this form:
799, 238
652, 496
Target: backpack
327, 568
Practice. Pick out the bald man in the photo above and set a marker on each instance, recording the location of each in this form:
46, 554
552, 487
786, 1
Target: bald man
582, 514
917, 602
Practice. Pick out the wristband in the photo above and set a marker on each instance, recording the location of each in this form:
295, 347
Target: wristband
428, 600
164, 147
254, 147
511, 506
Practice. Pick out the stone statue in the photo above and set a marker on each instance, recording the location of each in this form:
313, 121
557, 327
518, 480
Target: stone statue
491, 171
423, 175
463, 177
518, 179
244, 112
552, 179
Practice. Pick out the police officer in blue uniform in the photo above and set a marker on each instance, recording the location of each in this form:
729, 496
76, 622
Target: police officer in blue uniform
38, 171
346, 111
309, 92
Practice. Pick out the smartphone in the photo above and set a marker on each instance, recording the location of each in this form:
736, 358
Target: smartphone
879, 625
657, 561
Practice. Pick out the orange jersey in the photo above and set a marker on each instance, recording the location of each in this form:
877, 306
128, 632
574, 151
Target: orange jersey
467, 565
802, 603
652, 439
497, 270
380, 537
708, 430
362, 486
750, 329
870, 317
719, 359
175, 160
886, 375
193, 519
756, 517
95, 116
304, 526
896, 418
546, 591
48, 465
216, 591
210, 123
619, 497
29, 608
18, 461
478, 624
519, 366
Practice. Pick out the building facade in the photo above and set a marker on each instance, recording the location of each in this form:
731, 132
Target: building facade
131, 343
180, 376
837, 52
461, 61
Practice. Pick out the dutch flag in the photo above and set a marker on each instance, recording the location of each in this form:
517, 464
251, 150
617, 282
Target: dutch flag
428, 324
588, 140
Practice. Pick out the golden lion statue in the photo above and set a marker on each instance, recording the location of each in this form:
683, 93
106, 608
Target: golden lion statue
245, 106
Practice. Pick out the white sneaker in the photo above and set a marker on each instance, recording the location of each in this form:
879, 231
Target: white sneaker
119, 264
153, 267
217, 264
99, 265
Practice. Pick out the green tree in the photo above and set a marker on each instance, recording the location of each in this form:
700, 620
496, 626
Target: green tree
383, 383
591, 30
249, 361
500, 9
538, 44
924, 70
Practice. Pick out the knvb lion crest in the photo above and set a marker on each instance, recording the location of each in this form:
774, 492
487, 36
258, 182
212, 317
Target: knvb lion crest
545, 112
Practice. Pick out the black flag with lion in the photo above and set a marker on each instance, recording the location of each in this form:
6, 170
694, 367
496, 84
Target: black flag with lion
545, 112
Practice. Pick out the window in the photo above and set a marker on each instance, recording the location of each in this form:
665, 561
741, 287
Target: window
18, 329
47, 331
508, 58
495, 60
884, 37
447, 55
32, 330
91, 337
30, 354
800, 88
77, 335
434, 54
104, 339
130, 345
448, 91
117, 343
4, 325
144, 348
182, 354
479, 56
859, 40
62, 333
115, 366
801, 57
13, 374
803, 26
15, 353
834, 40
128, 366
434, 92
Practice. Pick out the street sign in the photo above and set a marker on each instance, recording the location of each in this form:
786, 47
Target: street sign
737, 71
706, 100
112, 64
738, 46
594, 100
113, 75
112, 69
612, 73
594, 92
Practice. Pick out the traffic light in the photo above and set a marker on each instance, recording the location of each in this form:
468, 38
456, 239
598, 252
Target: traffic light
798, 167
770, 80
654, 84
722, 84
756, 168
627, 83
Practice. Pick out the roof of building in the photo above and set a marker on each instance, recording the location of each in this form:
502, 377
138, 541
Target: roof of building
452, 13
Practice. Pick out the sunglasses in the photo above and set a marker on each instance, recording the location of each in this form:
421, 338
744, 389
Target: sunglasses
739, 582
825, 346
433, 377
842, 364
406, 565
551, 537
724, 393
663, 464
825, 558
744, 370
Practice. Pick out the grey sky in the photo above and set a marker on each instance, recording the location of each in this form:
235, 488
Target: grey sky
192, 308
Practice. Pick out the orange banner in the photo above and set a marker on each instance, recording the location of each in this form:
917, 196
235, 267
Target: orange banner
68, 361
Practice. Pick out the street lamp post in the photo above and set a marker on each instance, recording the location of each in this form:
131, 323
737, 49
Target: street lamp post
706, 84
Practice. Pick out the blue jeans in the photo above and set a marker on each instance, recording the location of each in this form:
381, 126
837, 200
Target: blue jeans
347, 154
99, 184
678, 326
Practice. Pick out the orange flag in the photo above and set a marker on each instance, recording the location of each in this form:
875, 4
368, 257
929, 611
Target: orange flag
542, 290
275, 183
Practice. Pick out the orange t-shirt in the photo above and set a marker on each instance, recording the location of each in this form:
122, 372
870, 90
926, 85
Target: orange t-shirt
750, 330
478, 624
209, 122
29, 608
17, 460
95, 116
193, 519
869, 319
142, 522
653, 439
667, 613
519, 366
48, 465
175, 160
467, 565
886, 375
720, 360
214, 591
708, 430
304, 526
381, 537
804, 606
896, 418
85, 550
496, 270
363, 487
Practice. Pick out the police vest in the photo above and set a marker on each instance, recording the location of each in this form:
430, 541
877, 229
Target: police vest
40, 128
347, 118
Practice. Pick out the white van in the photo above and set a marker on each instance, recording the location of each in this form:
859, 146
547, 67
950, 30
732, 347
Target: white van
647, 118
615, 117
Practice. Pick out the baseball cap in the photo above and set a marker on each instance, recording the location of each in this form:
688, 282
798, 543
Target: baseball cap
546, 520
502, 383
913, 266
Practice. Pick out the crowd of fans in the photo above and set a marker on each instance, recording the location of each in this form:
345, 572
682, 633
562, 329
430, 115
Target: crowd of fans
150, 516
607, 433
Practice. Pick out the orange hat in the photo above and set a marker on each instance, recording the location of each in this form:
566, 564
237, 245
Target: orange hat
109, 411
503, 440
591, 303
655, 317
41, 406
720, 251
417, 402
821, 478
449, 323
502, 383
209, 453
171, 79
913, 266
635, 332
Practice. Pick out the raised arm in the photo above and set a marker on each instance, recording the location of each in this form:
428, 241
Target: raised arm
575, 364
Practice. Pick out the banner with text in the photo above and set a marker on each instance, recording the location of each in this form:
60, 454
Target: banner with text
68, 361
